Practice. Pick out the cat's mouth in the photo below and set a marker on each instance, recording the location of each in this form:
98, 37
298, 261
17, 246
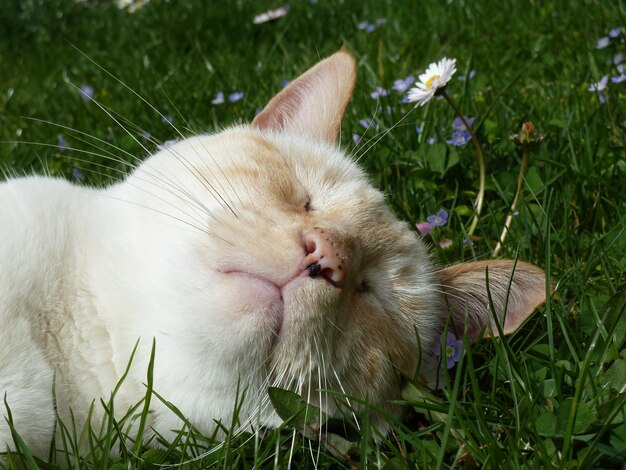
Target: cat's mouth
269, 295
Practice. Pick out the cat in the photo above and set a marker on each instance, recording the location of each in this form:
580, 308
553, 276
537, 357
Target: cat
257, 256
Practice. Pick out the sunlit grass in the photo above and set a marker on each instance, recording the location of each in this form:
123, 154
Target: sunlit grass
550, 396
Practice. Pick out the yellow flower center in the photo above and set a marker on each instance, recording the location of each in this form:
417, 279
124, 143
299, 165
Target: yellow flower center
429, 82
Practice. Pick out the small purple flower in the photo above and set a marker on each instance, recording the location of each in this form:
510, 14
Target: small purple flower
424, 228
459, 138
365, 123
618, 58
458, 124
439, 219
468, 242
169, 119
615, 32
219, 98
599, 87
618, 78
430, 140
86, 92
62, 144
452, 348
403, 85
284, 83
366, 26
419, 129
236, 96
603, 42
166, 144
77, 174
379, 92
356, 138
515, 213
405, 99
621, 68
383, 21
469, 76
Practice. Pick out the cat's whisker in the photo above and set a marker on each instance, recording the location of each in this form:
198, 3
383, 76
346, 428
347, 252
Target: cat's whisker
97, 139
347, 398
121, 82
382, 135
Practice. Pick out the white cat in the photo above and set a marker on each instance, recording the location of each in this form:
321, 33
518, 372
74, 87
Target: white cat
257, 256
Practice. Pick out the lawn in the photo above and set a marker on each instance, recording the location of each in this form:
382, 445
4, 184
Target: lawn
83, 85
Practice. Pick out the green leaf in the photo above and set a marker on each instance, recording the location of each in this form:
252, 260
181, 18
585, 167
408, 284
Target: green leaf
296, 412
584, 416
549, 388
464, 211
436, 158
615, 376
546, 424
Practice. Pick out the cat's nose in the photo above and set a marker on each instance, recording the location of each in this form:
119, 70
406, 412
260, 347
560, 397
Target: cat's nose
327, 255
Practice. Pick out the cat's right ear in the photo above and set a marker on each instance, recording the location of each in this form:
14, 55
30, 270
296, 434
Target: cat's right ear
314, 103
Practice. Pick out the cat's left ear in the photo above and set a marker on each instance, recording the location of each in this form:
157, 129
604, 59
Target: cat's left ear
518, 286
314, 103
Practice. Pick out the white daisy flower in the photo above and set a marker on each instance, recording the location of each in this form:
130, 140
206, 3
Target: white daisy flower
435, 78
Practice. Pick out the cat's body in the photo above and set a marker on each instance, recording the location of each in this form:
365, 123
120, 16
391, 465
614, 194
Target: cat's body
258, 256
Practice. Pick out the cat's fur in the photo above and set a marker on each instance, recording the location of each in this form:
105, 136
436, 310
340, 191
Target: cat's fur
257, 256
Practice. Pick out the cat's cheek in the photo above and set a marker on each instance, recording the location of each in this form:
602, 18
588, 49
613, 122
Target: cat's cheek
252, 301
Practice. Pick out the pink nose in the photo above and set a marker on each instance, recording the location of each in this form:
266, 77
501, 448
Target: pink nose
326, 255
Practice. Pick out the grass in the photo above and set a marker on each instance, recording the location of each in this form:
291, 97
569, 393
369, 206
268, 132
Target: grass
550, 396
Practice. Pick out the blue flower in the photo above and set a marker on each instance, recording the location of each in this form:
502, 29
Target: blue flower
379, 92
452, 349
599, 87
459, 138
404, 83
77, 174
469, 75
419, 129
366, 26
86, 92
169, 119
284, 83
430, 140
219, 98
618, 58
618, 79
62, 144
439, 219
236, 96
615, 32
458, 124
365, 123
356, 138
603, 42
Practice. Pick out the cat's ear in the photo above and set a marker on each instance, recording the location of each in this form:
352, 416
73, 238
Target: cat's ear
468, 286
314, 103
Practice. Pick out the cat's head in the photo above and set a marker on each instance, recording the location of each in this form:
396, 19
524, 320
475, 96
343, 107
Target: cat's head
302, 276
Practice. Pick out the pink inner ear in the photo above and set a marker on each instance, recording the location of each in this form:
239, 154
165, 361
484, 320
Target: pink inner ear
313, 104
468, 294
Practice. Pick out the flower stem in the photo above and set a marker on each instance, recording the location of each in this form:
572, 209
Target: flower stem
478, 203
518, 192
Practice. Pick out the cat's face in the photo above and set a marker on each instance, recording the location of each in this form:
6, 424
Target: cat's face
313, 280
298, 275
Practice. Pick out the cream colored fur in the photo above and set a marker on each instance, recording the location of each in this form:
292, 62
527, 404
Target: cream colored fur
201, 248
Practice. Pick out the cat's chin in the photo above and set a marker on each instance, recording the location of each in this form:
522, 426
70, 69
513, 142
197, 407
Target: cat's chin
268, 300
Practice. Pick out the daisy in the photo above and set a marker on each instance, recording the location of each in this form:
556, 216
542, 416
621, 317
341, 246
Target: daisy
433, 81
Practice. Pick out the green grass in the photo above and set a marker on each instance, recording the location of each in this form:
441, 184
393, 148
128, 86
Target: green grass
550, 396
